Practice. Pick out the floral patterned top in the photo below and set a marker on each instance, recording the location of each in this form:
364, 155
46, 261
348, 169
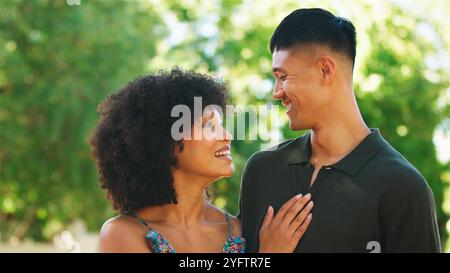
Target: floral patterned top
233, 244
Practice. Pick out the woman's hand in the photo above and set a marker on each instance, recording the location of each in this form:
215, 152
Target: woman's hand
283, 232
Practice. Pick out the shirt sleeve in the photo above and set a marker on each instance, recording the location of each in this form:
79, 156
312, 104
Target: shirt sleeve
408, 217
244, 179
240, 207
247, 204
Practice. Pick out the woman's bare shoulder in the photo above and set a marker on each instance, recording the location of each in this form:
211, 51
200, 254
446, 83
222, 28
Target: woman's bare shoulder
122, 234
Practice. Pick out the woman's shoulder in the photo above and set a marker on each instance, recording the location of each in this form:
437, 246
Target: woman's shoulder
120, 223
122, 234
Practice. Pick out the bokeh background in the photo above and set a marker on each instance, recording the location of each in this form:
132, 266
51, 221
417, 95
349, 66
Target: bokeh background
60, 58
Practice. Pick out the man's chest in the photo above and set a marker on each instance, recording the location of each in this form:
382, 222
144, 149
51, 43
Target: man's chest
345, 215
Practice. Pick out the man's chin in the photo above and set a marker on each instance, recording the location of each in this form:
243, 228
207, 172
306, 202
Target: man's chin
296, 126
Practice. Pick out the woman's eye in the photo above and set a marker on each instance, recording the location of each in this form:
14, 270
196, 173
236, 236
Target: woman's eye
283, 78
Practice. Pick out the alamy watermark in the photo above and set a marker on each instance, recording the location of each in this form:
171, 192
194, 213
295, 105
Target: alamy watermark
73, 2
248, 122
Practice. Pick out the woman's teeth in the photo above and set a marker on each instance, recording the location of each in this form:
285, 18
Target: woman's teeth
218, 154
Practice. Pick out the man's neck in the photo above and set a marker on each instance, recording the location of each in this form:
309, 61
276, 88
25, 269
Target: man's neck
333, 140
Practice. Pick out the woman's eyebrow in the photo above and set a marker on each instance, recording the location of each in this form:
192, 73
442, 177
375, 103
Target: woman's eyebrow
208, 117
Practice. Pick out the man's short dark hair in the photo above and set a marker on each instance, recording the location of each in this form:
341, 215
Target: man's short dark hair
304, 27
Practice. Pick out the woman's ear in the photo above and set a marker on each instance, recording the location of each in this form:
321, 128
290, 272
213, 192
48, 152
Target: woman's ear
327, 68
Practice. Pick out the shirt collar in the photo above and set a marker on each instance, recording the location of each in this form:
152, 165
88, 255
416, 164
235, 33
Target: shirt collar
351, 163
302, 150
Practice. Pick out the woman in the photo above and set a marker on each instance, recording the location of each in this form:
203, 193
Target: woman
159, 185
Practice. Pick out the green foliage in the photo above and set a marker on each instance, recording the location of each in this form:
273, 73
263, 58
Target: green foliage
60, 62
57, 62
404, 103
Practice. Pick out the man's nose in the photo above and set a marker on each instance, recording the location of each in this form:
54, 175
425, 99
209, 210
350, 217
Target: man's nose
277, 93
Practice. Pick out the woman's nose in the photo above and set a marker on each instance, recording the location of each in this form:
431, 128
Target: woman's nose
226, 135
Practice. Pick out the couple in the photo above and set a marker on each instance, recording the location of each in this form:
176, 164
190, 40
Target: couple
339, 188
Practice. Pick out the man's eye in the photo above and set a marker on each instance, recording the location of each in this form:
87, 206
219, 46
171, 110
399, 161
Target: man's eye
281, 78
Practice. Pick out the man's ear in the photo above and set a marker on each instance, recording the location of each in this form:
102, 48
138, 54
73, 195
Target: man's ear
327, 67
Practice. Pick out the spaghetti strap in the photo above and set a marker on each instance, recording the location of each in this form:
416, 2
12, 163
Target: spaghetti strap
230, 225
142, 221
155, 239
159, 244
234, 244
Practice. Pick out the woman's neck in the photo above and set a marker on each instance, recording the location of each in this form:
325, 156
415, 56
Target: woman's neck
191, 207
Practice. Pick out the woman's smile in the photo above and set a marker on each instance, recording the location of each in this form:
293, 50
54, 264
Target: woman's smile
224, 153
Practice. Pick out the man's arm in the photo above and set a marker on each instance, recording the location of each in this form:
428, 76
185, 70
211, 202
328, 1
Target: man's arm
245, 179
246, 204
408, 217
239, 214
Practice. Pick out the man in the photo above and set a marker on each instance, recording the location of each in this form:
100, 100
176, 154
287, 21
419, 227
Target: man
367, 196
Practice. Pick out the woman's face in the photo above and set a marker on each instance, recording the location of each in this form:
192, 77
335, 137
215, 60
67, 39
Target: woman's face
209, 156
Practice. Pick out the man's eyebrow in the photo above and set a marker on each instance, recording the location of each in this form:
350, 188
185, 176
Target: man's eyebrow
278, 69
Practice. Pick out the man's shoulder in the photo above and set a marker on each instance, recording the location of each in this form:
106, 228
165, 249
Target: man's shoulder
399, 173
275, 153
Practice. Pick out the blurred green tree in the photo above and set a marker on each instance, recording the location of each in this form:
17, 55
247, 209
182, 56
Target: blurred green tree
400, 94
57, 63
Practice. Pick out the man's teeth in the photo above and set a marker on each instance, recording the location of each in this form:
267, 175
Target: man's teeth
217, 154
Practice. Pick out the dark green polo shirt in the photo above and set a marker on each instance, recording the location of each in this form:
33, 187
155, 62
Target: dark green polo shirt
373, 199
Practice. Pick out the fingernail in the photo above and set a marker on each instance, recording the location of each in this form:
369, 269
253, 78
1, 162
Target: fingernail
311, 204
299, 196
308, 195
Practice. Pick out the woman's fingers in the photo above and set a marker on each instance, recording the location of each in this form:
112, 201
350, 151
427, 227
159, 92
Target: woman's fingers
268, 218
301, 217
289, 224
298, 234
295, 209
285, 208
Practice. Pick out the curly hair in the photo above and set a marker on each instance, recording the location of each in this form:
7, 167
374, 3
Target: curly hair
132, 143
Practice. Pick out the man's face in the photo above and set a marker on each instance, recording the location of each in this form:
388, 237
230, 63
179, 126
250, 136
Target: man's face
298, 83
